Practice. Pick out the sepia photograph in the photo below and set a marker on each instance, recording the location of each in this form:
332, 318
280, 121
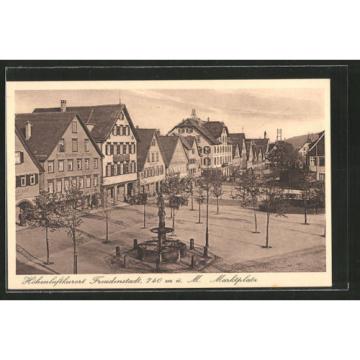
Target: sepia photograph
169, 184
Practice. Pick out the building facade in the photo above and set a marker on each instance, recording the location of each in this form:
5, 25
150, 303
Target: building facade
66, 151
192, 150
151, 165
113, 130
213, 141
239, 156
316, 157
28, 173
174, 155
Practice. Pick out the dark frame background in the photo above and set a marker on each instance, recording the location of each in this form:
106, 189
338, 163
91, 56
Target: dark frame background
345, 80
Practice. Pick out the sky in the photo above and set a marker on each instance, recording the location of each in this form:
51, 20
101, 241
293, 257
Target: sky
296, 111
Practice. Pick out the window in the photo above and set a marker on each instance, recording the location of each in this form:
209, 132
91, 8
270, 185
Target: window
74, 126
87, 164
153, 141
157, 156
50, 186
61, 165
88, 181
148, 157
118, 146
59, 186
108, 169
23, 181
70, 164
126, 168
32, 179
19, 157
322, 177
114, 130
73, 182
50, 166
124, 131
96, 181
79, 164
74, 143
152, 157
62, 145
312, 161
81, 182
96, 163
124, 149
321, 161
86, 145
66, 184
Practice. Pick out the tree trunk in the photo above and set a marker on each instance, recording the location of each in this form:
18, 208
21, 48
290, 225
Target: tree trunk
47, 246
144, 216
107, 226
217, 206
267, 229
173, 220
305, 212
192, 202
199, 222
255, 222
75, 252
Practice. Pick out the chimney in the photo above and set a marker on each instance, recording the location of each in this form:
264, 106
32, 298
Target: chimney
265, 134
28, 130
193, 113
63, 105
208, 119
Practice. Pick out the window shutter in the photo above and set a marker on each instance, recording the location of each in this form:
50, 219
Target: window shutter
36, 178
18, 181
21, 157
27, 180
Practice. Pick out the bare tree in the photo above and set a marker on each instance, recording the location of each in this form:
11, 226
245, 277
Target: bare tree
177, 190
308, 193
217, 191
44, 215
273, 202
70, 212
247, 189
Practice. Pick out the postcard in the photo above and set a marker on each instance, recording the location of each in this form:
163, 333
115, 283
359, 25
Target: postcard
168, 184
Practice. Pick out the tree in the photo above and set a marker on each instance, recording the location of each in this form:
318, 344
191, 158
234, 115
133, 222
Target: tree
44, 215
247, 188
273, 202
307, 191
207, 180
200, 198
106, 206
191, 191
217, 191
319, 188
70, 212
176, 189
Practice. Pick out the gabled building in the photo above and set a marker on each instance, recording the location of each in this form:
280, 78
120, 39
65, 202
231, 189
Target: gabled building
249, 153
212, 138
239, 156
151, 165
174, 155
63, 146
259, 150
316, 157
28, 176
192, 150
113, 130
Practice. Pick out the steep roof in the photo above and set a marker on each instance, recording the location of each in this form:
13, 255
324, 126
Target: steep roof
215, 128
188, 141
26, 147
167, 146
102, 117
317, 147
47, 128
208, 131
237, 139
145, 138
262, 142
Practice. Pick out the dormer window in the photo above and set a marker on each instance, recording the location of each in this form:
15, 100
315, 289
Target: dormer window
153, 142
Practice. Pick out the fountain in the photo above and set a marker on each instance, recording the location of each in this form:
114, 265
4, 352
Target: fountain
163, 249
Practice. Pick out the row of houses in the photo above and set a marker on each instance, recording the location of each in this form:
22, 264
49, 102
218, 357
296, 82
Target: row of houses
98, 148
